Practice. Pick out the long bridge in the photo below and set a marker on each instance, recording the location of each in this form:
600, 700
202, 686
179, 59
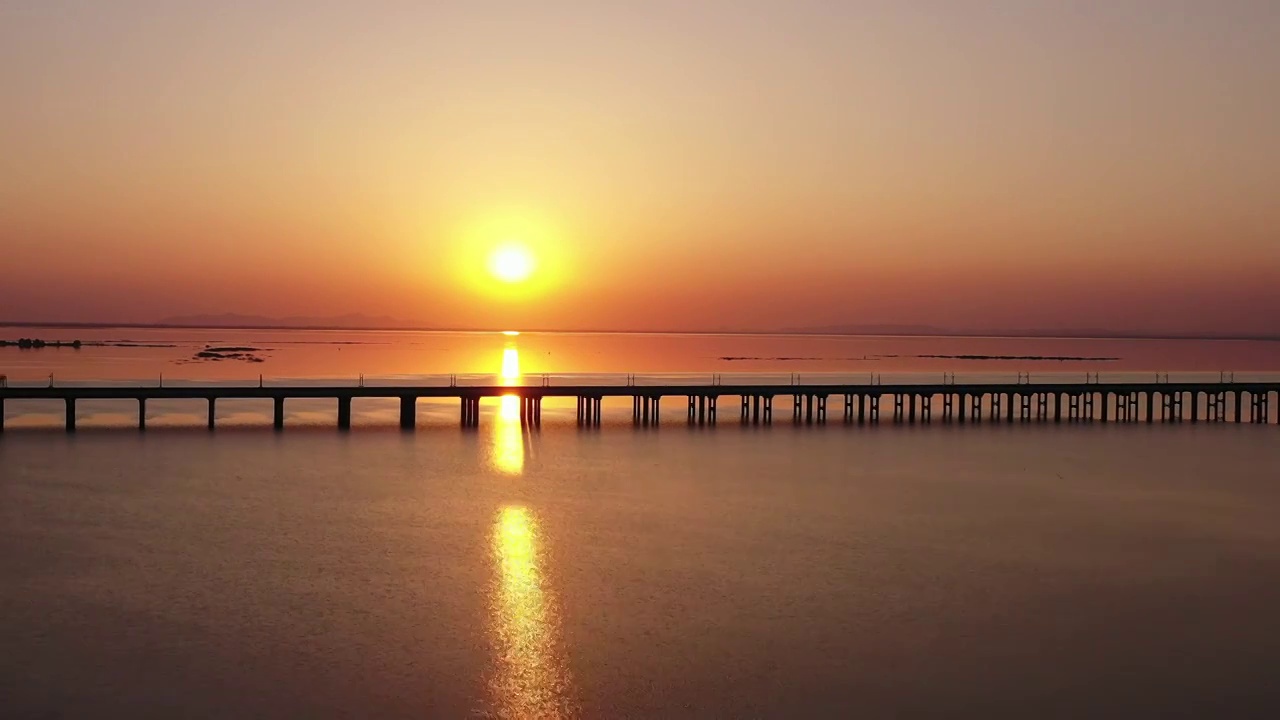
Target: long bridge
871, 402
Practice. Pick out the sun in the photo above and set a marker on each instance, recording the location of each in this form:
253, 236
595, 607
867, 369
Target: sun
511, 263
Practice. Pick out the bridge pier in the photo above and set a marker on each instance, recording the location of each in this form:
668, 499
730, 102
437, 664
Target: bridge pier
995, 406
1239, 406
408, 412
848, 409
646, 411
976, 407
897, 407
1261, 414
531, 411
71, 414
962, 412
948, 407
212, 404
862, 409
911, 410
344, 413
1216, 407
142, 413
468, 412
589, 410
277, 420
1150, 406
926, 408
1195, 406
1, 414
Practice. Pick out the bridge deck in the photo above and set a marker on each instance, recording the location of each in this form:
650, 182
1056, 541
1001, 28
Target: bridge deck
470, 391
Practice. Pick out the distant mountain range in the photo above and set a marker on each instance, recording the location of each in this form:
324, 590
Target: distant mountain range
354, 321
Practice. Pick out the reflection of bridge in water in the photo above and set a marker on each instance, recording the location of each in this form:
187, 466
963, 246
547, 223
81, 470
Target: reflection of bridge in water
1195, 400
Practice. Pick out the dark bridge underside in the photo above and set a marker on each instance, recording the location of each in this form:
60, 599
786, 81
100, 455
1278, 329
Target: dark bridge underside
861, 403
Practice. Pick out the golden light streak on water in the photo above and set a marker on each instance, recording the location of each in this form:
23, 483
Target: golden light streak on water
508, 436
531, 679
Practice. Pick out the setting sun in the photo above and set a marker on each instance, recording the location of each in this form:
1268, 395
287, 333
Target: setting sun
511, 263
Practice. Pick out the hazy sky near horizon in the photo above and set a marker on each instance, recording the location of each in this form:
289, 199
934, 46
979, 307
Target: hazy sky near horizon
672, 165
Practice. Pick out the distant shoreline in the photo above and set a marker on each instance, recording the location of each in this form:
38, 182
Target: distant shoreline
940, 333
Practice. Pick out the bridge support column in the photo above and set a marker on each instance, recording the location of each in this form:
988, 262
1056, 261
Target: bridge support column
1150, 406
1195, 406
768, 409
408, 412
344, 413
1239, 405
808, 409
1009, 399
702, 409
874, 409
712, 401
848, 409
911, 410
948, 407
1057, 407
897, 407
1, 414
1089, 412
142, 413
926, 408
963, 411
212, 411
1024, 407
995, 406
278, 415
71, 414
862, 409
976, 407
822, 409
468, 416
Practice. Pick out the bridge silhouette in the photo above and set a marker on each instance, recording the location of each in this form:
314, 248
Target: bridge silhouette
870, 402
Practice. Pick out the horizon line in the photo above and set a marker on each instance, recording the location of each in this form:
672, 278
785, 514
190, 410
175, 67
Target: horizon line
1028, 334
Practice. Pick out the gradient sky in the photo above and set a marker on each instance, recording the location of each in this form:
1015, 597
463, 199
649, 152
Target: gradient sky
675, 165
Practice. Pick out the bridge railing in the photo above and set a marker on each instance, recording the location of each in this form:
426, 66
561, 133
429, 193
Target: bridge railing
701, 379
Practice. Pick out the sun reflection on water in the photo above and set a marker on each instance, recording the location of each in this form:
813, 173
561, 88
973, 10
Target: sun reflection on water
508, 435
531, 679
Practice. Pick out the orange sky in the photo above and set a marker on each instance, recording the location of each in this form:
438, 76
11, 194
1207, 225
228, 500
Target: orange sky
674, 165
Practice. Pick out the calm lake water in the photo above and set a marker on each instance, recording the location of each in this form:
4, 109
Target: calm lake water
941, 571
